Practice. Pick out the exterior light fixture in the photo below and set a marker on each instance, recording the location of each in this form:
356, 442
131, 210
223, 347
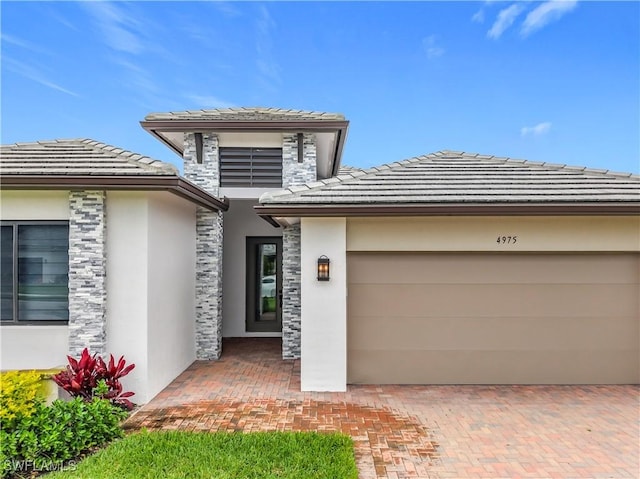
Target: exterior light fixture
323, 268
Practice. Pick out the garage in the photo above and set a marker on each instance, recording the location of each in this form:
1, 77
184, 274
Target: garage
493, 318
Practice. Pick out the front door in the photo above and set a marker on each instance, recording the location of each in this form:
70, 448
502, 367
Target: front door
264, 284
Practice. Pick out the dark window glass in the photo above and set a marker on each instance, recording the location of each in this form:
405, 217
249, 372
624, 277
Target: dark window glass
6, 273
42, 267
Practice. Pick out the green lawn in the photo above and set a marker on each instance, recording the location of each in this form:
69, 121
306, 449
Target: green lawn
260, 455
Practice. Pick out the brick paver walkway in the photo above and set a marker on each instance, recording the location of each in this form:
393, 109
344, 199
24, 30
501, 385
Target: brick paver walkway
413, 431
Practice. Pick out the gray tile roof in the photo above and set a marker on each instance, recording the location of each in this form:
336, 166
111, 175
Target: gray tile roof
347, 169
452, 177
246, 114
77, 157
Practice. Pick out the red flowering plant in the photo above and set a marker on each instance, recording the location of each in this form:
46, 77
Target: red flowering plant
89, 377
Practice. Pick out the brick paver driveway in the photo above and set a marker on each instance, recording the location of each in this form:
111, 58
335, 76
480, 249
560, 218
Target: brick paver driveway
413, 431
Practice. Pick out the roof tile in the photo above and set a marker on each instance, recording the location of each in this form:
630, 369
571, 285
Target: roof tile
246, 114
77, 157
447, 177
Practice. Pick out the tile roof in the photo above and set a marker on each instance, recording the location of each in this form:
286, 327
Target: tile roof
246, 114
77, 157
451, 177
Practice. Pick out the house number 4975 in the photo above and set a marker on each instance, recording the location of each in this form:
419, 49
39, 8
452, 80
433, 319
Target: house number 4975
507, 240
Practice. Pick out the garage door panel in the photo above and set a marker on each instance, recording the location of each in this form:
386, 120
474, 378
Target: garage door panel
493, 318
409, 268
486, 300
492, 367
503, 333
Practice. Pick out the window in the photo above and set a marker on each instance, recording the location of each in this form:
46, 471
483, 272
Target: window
34, 271
246, 167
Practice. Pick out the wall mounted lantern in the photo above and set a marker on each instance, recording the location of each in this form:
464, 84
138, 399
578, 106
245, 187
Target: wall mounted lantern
323, 268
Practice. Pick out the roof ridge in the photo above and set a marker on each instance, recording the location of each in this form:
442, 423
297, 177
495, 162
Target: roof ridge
219, 114
545, 164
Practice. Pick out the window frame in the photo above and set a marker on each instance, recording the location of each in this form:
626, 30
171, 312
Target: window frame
14, 264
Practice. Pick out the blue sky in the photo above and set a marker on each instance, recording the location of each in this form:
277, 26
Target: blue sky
548, 81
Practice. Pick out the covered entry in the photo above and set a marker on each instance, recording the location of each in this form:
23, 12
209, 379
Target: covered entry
493, 318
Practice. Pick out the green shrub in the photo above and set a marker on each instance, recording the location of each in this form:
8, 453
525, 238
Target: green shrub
59, 432
20, 393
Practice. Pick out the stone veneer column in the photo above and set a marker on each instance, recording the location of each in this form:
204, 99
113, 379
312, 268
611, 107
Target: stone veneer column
291, 299
208, 284
294, 173
208, 247
87, 272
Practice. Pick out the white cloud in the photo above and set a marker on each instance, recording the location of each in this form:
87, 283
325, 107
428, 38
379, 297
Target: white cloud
209, 101
546, 13
120, 29
505, 19
19, 42
265, 62
33, 74
226, 8
537, 130
431, 47
478, 17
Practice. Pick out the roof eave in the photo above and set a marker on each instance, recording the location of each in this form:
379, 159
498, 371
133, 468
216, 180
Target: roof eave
157, 127
171, 183
271, 213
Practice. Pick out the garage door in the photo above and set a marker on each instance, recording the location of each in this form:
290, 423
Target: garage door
493, 318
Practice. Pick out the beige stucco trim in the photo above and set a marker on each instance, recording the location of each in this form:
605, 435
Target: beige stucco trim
34, 205
467, 233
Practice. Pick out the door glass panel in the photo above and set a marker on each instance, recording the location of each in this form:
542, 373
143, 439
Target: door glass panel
267, 271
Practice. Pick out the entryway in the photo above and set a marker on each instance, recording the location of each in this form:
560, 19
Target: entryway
264, 284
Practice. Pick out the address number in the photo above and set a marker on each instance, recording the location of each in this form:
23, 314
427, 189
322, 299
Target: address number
507, 240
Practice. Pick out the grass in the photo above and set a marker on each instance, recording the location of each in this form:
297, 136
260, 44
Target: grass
178, 454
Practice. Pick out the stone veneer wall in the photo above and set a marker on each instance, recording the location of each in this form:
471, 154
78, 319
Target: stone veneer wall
291, 300
294, 173
208, 284
208, 247
87, 272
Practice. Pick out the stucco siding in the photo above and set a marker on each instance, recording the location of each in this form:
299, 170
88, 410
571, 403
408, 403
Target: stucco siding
324, 306
33, 347
127, 285
171, 287
34, 205
559, 233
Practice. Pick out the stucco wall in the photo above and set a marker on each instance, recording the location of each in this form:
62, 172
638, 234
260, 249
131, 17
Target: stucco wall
34, 205
240, 221
324, 306
560, 233
127, 307
171, 283
150, 287
33, 346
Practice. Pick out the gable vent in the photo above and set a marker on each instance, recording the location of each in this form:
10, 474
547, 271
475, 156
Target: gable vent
250, 167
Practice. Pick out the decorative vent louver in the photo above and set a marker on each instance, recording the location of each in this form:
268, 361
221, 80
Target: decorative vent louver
250, 167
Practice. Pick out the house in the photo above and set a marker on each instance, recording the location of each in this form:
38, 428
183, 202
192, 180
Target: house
450, 268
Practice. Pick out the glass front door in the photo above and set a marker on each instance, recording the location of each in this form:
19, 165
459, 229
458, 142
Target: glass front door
264, 284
